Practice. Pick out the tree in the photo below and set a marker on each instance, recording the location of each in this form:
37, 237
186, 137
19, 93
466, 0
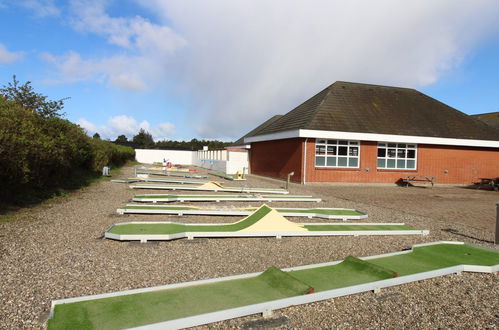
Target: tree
96, 136
121, 139
26, 97
143, 140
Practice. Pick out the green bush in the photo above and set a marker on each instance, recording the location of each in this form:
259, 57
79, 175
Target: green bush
40, 154
105, 153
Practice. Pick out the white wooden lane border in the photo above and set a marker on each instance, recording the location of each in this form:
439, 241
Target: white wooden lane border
282, 303
196, 198
229, 212
221, 189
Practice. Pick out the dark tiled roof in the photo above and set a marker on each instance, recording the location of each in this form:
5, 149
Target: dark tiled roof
363, 108
256, 131
491, 118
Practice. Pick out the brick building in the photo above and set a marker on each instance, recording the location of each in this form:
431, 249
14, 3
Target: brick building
352, 132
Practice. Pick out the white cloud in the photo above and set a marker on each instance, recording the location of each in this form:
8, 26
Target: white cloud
41, 8
128, 126
144, 48
8, 57
240, 62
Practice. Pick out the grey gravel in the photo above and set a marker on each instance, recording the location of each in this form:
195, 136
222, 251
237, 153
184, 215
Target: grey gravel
56, 250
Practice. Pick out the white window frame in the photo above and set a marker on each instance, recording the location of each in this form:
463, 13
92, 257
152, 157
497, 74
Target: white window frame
334, 146
398, 148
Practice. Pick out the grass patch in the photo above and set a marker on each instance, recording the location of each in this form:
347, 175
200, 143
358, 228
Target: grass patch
171, 228
145, 308
433, 257
350, 271
356, 227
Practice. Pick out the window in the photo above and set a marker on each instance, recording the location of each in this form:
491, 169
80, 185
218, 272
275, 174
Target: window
337, 153
397, 156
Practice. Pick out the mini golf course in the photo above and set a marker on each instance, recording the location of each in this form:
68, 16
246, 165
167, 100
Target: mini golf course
264, 222
325, 213
210, 186
218, 198
189, 304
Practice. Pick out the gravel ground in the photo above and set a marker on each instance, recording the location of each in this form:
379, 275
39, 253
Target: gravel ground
56, 250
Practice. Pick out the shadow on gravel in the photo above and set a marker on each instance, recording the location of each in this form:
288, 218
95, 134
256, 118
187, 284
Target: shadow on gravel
456, 232
265, 323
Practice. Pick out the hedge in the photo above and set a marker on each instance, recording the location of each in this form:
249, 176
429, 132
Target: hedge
39, 154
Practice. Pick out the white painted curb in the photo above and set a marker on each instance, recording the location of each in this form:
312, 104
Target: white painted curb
232, 212
221, 189
194, 198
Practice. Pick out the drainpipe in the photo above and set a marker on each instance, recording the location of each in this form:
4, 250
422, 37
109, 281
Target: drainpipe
305, 162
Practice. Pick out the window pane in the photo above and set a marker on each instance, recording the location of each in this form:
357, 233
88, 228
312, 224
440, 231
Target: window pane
321, 141
390, 163
320, 161
400, 163
400, 153
392, 145
352, 162
391, 153
381, 163
331, 142
353, 151
381, 152
411, 164
331, 150
411, 146
401, 145
342, 151
331, 161
320, 150
342, 161
382, 144
354, 143
343, 142
411, 154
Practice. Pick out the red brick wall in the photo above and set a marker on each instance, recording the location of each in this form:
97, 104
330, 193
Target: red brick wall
463, 164
277, 158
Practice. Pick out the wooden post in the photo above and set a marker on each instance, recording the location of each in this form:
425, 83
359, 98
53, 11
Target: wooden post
289, 178
497, 224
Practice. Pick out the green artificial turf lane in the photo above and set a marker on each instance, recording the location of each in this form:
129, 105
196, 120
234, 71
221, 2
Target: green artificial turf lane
171, 228
356, 227
320, 211
350, 271
433, 257
152, 307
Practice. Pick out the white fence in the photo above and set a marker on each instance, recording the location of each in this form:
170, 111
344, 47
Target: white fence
149, 156
225, 161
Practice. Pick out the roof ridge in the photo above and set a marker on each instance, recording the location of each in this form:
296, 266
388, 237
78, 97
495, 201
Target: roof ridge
374, 85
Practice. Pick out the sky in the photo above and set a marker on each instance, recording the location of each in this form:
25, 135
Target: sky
215, 69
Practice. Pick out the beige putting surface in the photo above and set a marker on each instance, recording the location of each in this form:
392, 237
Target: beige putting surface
273, 221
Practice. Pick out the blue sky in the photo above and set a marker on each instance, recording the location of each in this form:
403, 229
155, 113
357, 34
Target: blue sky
215, 69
